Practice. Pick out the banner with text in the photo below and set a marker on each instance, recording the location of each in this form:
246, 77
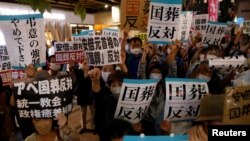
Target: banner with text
102, 50
43, 98
25, 39
237, 106
134, 14
134, 99
213, 9
164, 20
214, 33
71, 51
185, 25
183, 98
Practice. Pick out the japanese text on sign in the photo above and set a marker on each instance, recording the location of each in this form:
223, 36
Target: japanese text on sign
237, 105
134, 100
163, 22
66, 52
24, 35
185, 25
227, 62
102, 50
183, 98
214, 33
44, 98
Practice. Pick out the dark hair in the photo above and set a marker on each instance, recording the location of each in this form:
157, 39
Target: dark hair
116, 75
136, 39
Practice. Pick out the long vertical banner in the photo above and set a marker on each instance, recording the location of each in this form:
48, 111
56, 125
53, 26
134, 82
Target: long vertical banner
71, 51
43, 98
237, 105
185, 25
213, 9
5, 66
183, 98
25, 39
134, 99
134, 14
102, 50
164, 20
214, 33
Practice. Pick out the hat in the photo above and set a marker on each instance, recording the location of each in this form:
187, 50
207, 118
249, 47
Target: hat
211, 108
116, 75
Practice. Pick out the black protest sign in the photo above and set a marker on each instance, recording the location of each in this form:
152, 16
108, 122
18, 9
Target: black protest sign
43, 98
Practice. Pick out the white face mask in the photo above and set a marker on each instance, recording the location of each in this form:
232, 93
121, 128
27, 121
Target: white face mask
204, 77
135, 51
155, 76
55, 67
116, 91
80, 66
105, 76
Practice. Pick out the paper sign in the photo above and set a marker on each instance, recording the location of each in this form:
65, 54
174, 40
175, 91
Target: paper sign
44, 98
102, 50
185, 25
134, 14
134, 99
199, 23
71, 51
214, 33
246, 29
25, 39
183, 98
213, 8
157, 138
85, 33
110, 32
164, 20
227, 62
237, 105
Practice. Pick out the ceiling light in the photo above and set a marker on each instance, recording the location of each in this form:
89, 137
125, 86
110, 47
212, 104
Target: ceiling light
106, 6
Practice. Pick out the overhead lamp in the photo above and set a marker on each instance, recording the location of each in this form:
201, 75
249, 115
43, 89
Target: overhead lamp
106, 6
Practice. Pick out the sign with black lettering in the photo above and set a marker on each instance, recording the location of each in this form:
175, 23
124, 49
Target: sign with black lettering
227, 62
134, 14
214, 33
25, 39
183, 98
134, 99
5, 65
199, 23
102, 50
108, 32
164, 20
237, 105
71, 51
84, 33
44, 98
246, 27
185, 25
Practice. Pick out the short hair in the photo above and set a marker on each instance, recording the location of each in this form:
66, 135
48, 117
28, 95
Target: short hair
136, 39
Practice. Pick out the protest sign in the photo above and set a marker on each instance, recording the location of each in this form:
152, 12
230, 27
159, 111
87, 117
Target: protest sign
71, 51
185, 25
199, 23
213, 9
102, 50
134, 14
84, 33
134, 99
183, 98
43, 98
110, 32
237, 105
214, 33
25, 39
246, 27
157, 138
164, 20
227, 62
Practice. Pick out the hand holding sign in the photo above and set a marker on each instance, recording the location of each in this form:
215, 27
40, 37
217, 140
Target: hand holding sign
30, 71
166, 126
125, 33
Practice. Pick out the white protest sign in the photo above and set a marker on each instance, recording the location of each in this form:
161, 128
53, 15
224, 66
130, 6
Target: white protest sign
102, 50
199, 23
134, 99
214, 33
246, 25
25, 39
185, 25
227, 62
183, 98
110, 32
84, 33
5, 66
71, 51
164, 20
